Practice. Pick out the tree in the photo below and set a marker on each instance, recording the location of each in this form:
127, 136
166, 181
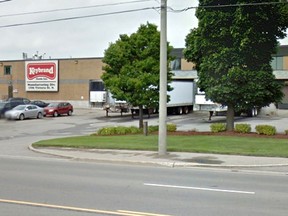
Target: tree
232, 49
132, 68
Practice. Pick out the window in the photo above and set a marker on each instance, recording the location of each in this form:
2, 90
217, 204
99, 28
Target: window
175, 64
277, 63
97, 86
7, 70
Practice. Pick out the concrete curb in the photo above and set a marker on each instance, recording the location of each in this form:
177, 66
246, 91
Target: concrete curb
154, 163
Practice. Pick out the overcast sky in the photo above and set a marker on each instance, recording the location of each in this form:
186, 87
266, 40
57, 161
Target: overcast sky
84, 37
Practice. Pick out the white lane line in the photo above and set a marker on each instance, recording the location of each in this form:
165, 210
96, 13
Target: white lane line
199, 188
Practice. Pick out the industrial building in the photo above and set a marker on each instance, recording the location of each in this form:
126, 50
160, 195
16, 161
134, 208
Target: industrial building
74, 79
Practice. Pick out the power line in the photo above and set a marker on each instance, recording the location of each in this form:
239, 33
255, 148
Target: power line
133, 10
73, 8
77, 17
5, 1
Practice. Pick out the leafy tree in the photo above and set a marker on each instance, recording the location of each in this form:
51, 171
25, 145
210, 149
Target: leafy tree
132, 68
232, 48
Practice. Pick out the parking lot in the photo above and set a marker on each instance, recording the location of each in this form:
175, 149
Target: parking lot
86, 121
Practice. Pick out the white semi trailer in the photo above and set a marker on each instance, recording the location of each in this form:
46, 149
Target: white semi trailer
181, 97
201, 103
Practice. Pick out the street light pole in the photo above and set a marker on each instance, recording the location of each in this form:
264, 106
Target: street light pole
162, 139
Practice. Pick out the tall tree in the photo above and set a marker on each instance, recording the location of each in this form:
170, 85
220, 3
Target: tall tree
132, 68
232, 48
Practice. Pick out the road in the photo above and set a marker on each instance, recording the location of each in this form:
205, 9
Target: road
35, 184
62, 187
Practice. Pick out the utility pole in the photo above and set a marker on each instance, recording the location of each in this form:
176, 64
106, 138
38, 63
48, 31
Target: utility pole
162, 139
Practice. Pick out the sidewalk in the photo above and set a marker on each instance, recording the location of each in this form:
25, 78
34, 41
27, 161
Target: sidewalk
172, 159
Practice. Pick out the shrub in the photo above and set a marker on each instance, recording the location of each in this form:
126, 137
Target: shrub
106, 131
265, 129
171, 127
218, 127
286, 132
122, 130
243, 128
119, 130
134, 130
153, 128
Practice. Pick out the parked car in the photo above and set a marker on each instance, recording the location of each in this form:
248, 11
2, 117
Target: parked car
58, 108
39, 103
8, 105
25, 111
19, 100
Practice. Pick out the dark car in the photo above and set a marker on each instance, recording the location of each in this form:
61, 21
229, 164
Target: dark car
19, 100
58, 108
8, 105
39, 103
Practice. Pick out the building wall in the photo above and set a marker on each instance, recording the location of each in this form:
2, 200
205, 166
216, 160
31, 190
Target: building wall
74, 76
285, 63
16, 78
187, 65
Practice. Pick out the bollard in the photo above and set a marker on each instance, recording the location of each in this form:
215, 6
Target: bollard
145, 128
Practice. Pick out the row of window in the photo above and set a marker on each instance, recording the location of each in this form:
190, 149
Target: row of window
277, 63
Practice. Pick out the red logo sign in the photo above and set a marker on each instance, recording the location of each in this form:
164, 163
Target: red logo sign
47, 69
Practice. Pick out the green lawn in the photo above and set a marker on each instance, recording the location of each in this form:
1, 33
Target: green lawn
265, 146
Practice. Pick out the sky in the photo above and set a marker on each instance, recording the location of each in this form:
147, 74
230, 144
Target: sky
28, 26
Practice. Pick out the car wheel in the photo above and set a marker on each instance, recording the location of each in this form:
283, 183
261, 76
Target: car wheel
55, 114
69, 113
39, 115
22, 117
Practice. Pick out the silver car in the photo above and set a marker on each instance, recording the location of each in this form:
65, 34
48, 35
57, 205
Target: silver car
25, 111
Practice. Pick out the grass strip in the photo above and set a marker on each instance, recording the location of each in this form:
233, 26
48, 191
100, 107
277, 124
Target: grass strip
253, 146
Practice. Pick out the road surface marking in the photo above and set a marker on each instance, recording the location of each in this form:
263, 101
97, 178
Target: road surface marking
71, 208
199, 188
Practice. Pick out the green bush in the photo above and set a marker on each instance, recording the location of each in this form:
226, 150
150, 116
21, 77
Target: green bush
153, 128
171, 127
119, 130
286, 132
106, 131
243, 128
134, 130
265, 129
218, 127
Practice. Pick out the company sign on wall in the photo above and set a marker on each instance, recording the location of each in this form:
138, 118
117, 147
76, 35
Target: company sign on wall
41, 76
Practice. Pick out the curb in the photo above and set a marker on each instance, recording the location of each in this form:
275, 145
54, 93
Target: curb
159, 163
